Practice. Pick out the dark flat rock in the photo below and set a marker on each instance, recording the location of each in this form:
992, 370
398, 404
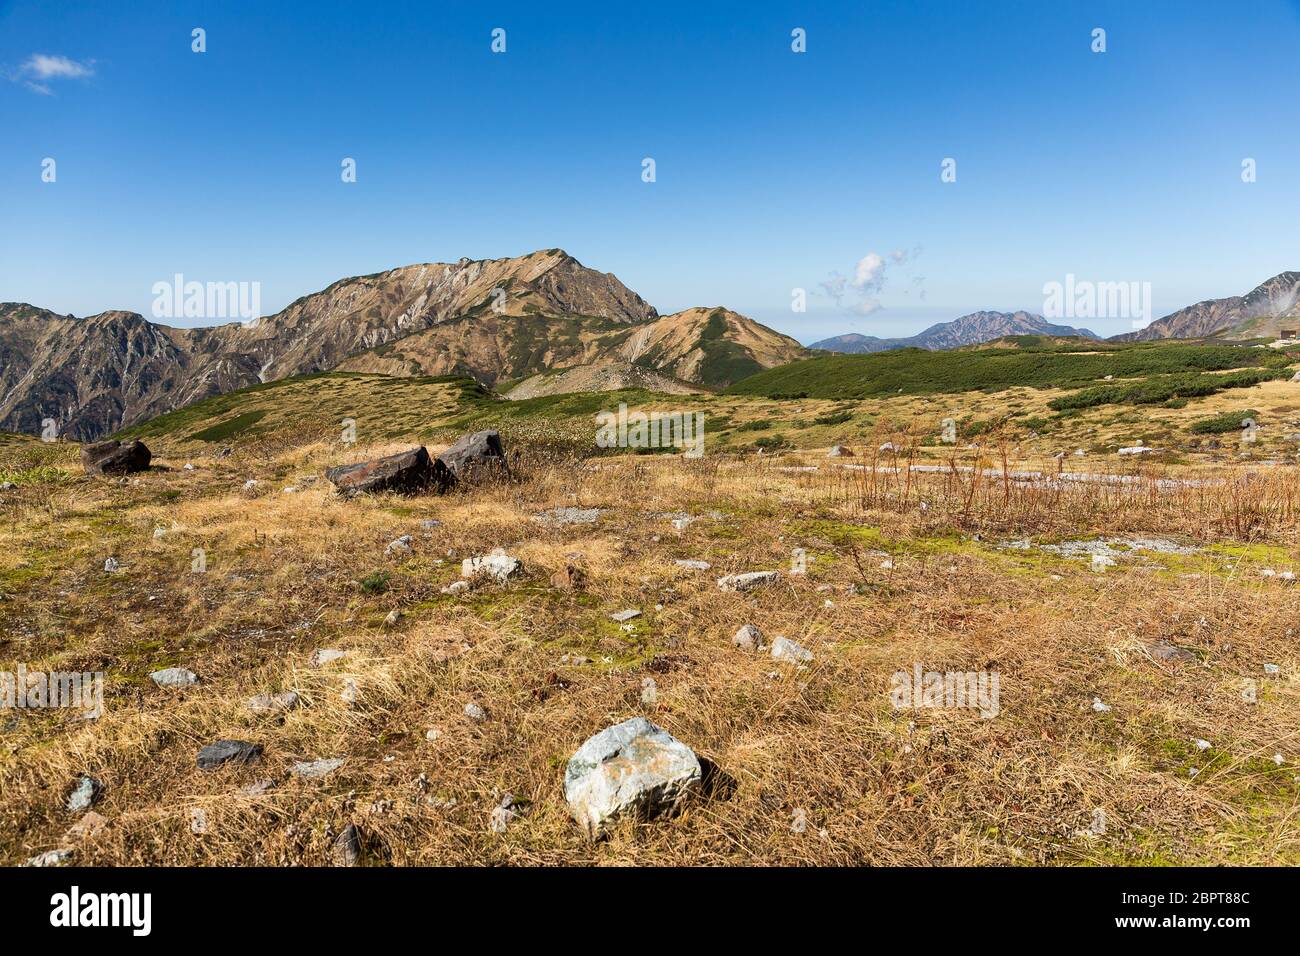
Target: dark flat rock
228, 751
407, 472
115, 458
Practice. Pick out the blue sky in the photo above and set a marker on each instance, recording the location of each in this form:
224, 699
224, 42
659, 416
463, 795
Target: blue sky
775, 170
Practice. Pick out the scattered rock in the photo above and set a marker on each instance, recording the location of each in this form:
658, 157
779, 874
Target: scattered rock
407, 472
52, 857
839, 451
495, 564
89, 826
569, 578
198, 821
475, 712
456, 587
428, 524
347, 846
315, 769
692, 565
1164, 651
174, 677
399, 545
627, 615
747, 581
649, 692
631, 769
115, 458
111, 566
563, 516
273, 703
84, 794
228, 751
502, 814
1098, 706
1272, 670
326, 655
475, 456
1137, 450
258, 787
350, 693
750, 638
784, 649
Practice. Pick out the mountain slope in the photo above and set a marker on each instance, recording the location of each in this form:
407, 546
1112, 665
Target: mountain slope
96, 375
711, 347
972, 329
1262, 311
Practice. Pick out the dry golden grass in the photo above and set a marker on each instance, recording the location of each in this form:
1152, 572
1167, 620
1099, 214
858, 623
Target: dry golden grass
287, 574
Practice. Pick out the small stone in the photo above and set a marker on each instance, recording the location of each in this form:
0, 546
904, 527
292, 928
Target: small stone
1098, 706
432, 734
475, 712
563, 516
52, 857
784, 649
428, 524
159, 533
502, 814
568, 578
273, 703
399, 545
187, 467
1164, 651
495, 564
1201, 744
228, 751
1272, 670
839, 451
627, 615
326, 655
693, 565
393, 617
250, 484
314, 769
90, 825
649, 693
749, 638
748, 581
198, 820
259, 787
349, 694
84, 794
111, 565
456, 587
347, 846
174, 677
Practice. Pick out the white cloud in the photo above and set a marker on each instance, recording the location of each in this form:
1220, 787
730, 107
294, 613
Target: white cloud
40, 68
869, 273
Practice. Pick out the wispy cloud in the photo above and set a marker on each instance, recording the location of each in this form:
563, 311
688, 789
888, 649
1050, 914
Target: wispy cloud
41, 69
868, 281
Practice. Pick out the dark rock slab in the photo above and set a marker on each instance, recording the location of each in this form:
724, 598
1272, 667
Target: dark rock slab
407, 472
115, 458
477, 455
228, 751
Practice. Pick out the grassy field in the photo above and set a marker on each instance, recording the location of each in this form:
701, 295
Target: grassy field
1092, 758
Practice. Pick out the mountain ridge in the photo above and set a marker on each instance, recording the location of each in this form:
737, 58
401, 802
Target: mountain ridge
974, 328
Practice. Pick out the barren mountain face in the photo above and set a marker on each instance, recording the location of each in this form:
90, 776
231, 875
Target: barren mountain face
95, 375
1261, 312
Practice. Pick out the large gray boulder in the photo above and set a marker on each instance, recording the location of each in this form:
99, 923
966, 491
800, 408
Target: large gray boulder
115, 458
476, 456
407, 472
631, 769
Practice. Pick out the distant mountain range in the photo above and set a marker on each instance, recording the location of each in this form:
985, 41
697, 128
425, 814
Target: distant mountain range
972, 329
493, 319
1264, 312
